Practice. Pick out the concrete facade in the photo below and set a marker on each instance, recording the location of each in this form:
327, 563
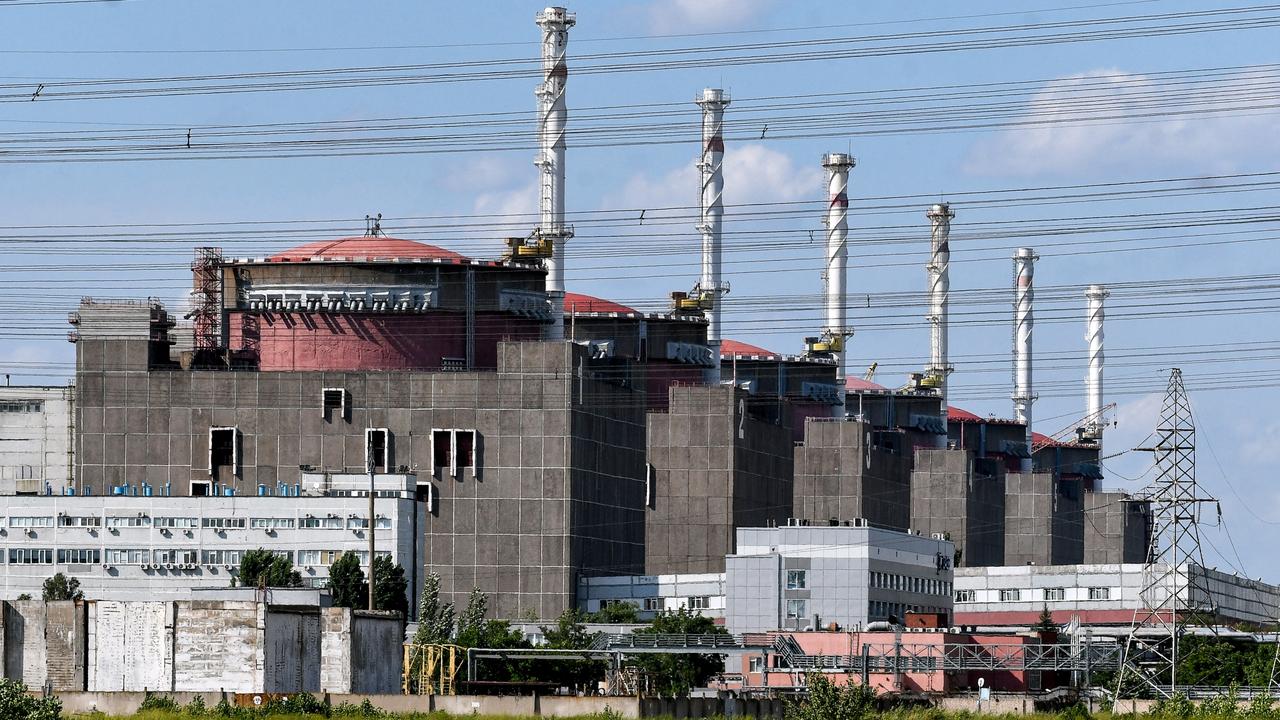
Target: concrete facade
44, 643
360, 651
843, 472
1043, 520
954, 495
1116, 529
36, 451
700, 593
715, 469
799, 577
124, 548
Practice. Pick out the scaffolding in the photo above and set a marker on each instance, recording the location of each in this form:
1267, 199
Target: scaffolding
206, 298
431, 669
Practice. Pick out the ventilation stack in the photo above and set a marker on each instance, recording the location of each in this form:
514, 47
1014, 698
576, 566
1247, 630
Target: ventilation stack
710, 288
1023, 322
939, 291
837, 220
1092, 431
552, 116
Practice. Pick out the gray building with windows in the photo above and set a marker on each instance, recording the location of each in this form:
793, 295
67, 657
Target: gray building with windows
36, 439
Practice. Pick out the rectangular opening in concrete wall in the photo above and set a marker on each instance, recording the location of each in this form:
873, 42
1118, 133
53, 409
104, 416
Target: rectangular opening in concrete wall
333, 404
453, 449
377, 450
224, 452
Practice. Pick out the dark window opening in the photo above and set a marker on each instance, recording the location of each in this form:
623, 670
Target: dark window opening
334, 401
199, 489
224, 451
466, 442
377, 457
442, 448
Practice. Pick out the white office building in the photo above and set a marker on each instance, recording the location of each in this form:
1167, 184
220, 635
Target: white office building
35, 439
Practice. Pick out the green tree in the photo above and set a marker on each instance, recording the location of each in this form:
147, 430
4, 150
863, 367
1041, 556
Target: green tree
475, 631
569, 633
676, 675
346, 584
1045, 624
435, 620
472, 619
16, 704
389, 586
262, 567
618, 613
61, 587
828, 701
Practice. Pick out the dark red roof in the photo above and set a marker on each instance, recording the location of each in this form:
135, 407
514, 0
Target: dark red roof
731, 348
577, 302
857, 383
370, 247
955, 413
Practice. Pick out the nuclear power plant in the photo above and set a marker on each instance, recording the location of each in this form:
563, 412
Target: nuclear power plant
523, 438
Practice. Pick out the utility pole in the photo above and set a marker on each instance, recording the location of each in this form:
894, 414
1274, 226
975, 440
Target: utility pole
1174, 590
372, 522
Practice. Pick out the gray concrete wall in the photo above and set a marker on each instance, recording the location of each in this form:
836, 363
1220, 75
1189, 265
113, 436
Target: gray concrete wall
1116, 530
948, 497
35, 439
25, 655
361, 652
291, 651
1044, 520
218, 645
130, 646
45, 643
841, 475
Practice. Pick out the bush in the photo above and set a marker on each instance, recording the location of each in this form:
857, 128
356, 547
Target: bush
159, 702
16, 704
828, 701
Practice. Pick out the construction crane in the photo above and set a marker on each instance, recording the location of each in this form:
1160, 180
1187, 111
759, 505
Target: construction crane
870, 374
1080, 428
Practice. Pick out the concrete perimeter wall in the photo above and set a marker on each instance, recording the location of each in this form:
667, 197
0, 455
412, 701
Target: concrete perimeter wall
130, 645
44, 643
361, 652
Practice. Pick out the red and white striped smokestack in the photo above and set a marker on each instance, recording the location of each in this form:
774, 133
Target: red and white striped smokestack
939, 267
713, 101
552, 117
837, 166
1096, 295
1023, 322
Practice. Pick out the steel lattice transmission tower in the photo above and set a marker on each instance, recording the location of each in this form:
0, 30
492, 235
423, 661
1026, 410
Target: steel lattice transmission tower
1174, 590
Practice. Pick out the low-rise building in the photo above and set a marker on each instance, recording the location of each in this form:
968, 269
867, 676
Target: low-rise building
701, 593
36, 432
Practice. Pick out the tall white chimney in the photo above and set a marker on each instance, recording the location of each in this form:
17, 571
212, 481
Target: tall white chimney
1096, 295
939, 291
1023, 322
552, 117
837, 166
713, 102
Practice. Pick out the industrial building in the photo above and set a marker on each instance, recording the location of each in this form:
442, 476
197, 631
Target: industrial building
526, 437
35, 439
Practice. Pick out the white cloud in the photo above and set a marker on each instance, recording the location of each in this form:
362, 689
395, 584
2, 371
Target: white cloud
1199, 143
753, 173
683, 16
1134, 422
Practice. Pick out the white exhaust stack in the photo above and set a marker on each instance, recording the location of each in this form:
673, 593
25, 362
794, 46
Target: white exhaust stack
939, 291
1023, 322
710, 288
1096, 295
552, 117
837, 166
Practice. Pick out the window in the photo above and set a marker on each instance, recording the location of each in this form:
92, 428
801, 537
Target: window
1010, 595
222, 523
22, 406
377, 450
127, 556
755, 663
453, 449
698, 602
222, 557
175, 522
796, 579
79, 556
1055, 594
30, 521
653, 604
79, 521
329, 557
271, 523
224, 450
333, 403
30, 556
797, 609
308, 557
324, 523
128, 521
965, 596
357, 523
1099, 593
177, 557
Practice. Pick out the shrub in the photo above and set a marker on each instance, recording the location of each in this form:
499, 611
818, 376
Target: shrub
15, 703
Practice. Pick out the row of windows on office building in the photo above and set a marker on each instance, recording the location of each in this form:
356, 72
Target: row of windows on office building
1049, 594
909, 583
332, 522
173, 556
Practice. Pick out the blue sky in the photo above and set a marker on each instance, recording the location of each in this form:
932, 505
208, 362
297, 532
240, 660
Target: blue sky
1239, 425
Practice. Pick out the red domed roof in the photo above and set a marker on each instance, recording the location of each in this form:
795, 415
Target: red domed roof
955, 413
731, 348
368, 247
579, 303
857, 383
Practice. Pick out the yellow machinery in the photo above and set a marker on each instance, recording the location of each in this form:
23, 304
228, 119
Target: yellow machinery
535, 247
828, 342
697, 301
431, 669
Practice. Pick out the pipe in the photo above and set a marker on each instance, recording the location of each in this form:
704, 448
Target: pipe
552, 117
939, 291
1023, 324
713, 101
1096, 295
838, 166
